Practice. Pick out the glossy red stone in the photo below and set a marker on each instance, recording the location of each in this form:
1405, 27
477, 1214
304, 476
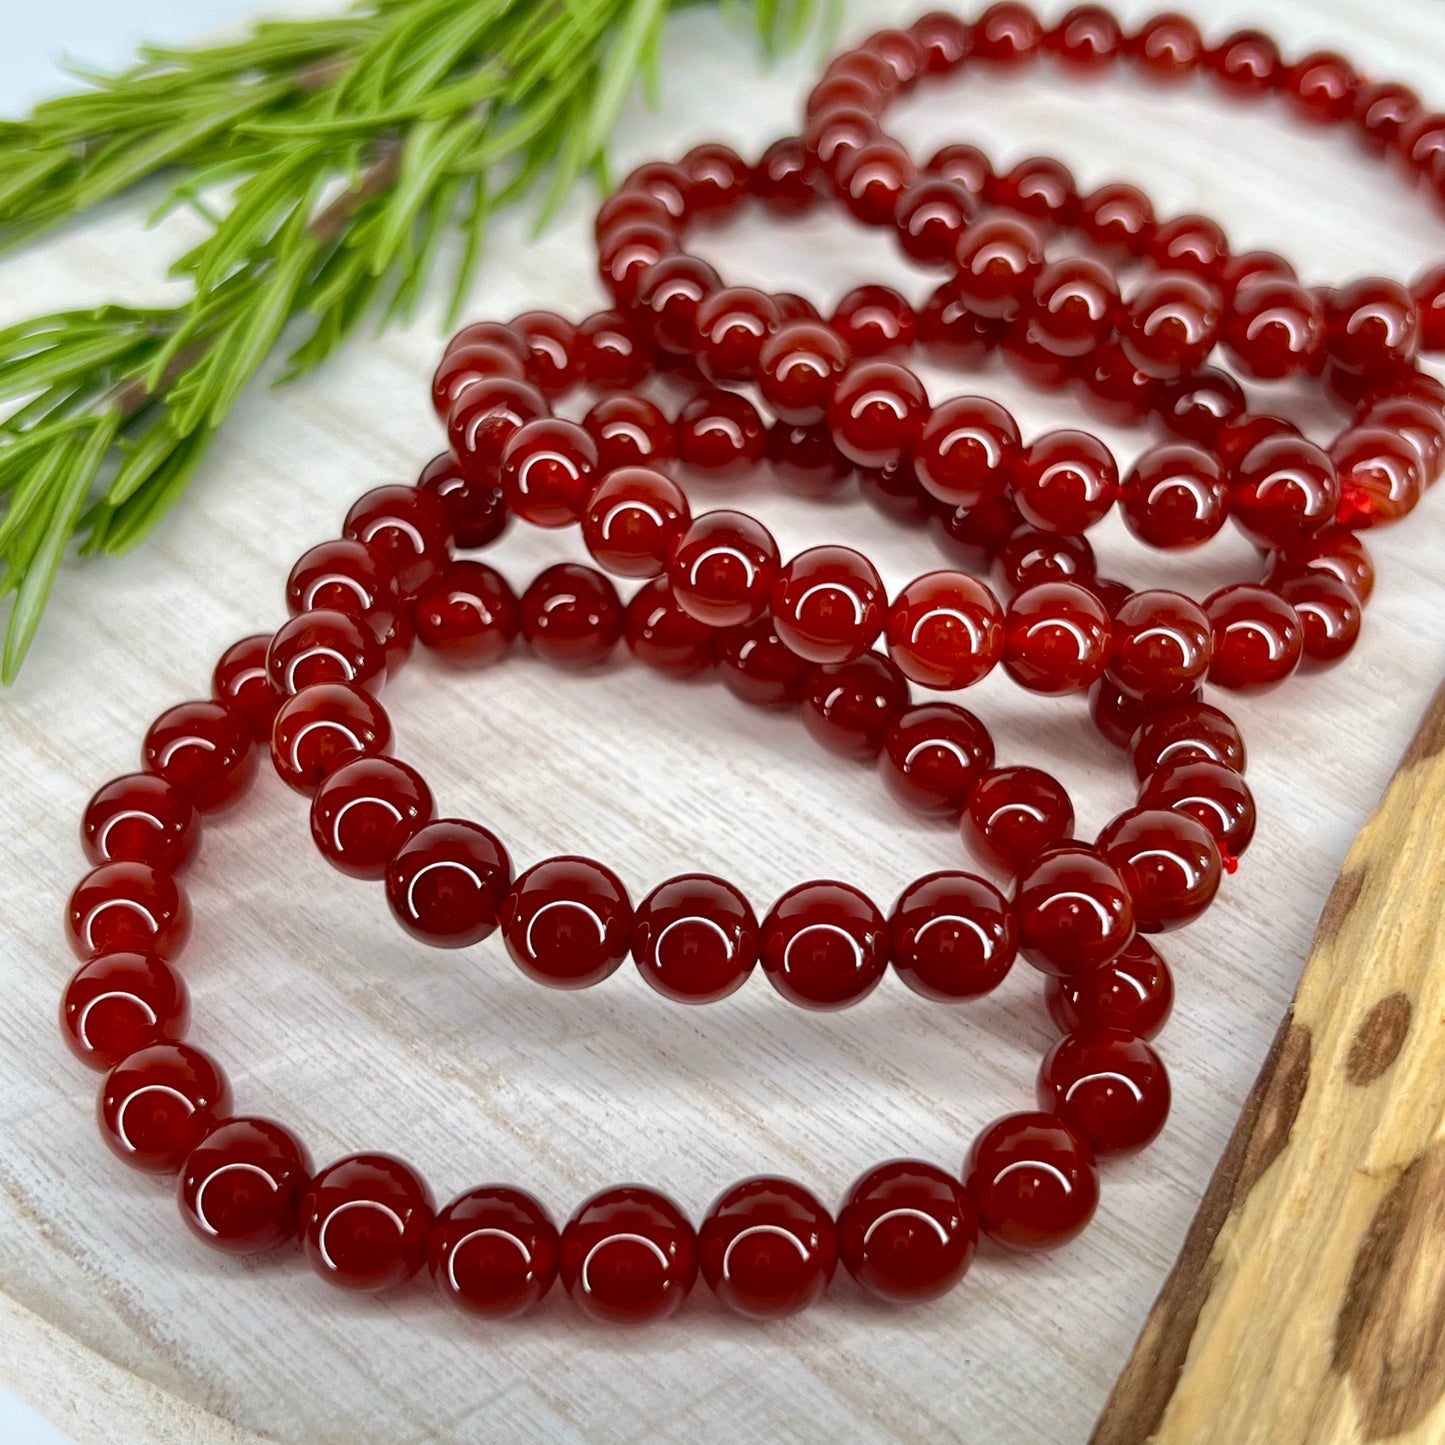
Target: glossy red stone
1007, 34
719, 435
1330, 613
120, 1002
767, 1248
1107, 1085
1065, 481
342, 576
907, 1231
1166, 49
1073, 306
571, 616
952, 936
241, 1186
1427, 291
447, 883
1039, 188
610, 354
1371, 324
1135, 992
732, 325
662, 636
1170, 324
629, 432
945, 630
127, 907
848, 707
632, 520
999, 260
493, 1251
967, 451
202, 750
547, 471
1382, 476
798, 370
1214, 794
758, 667
930, 217
1274, 328
158, 1103
1258, 639
1320, 88
1115, 390
364, 1222
553, 361
1246, 64
1336, 552
782, 179
1029, 558
1186, 732
625, 255
628, 1256
1197, 407
1118, 714
1162, 645
951, 335
467, 614
140, 818
669, 293
407, 527
1085, 41
1192, 244
1013, 814
242, 686
324, 727
462, 366
876, 412
871, 179
827, 604
1056, 638
1117, 220
933, 756
1074, 911
365, 812
325, 646
475, 510
874, 320
1169, 862
695, 938
1175, 496
804, 461
723, 567
1034, 1180
567, 922
824, 945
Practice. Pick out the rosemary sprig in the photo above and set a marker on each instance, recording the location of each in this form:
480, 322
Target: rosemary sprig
330, 158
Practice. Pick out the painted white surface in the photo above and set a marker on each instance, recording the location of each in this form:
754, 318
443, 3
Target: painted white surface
117, 1326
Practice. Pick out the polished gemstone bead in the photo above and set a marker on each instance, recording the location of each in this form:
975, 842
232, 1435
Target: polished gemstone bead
669, 293
627, 254
951, 335
1118, 220
1382, 476
447, 883
1109, 1086
1243, 268
628, 1256
661, 635
831, 135
1074, 910
1336, 552
1171, 324
945, 630
1013, 815
548, 469
1071, 311
719, 435
1135, 992
1320, 88
571, 616
407, 527
933, 756
1085, 42
798, 371
1246, 64
999, 260
1161, 645
342, 576
1029, 557
1329, 611
1371, 324
1056, 638
967, 451
1258, 638
553, 361
365, 811
493, 1251
1419, 420
1237, 438
1274, 328
907, 1231
1007, 35
325, 646
782, 180
120, 1002
204, 751
723, 567
1214, 794
930, 218
1032, 362
944, 39
804, 461
876, 412
1169, 862
364, 1222
874, 320
1175, 496
241, 1186
732, 325
717, 180
480, 423
1065, 481
1118, 714
848, 707
757, 666
158, 1103
1381, 110
611, 355
323, 727
490, 333
1115, 390
1186, 732
629, 431
633, 519
767, 1248
664, 182
140, 818
1427, 291
952, 936
871, 179
1040, 188
463, 366
1034, 1180
475, 510
242, 686
824, 945
1286, 488
467, 614
695, 938
1166, 49
1197, 407
127, 907
567, 922
1192, 244
828, 604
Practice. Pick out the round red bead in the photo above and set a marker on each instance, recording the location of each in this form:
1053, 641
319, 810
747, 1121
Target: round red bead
1286, 488
552, 353
848, 707
475, 510
967, 451
1169, 862
824, 945
1034, 1180
695, 938
798, 369
632, 521
493, 1251
324, 646
933, 756
120, 1002
1274, 327
1066, 481
945, 630
548, 469
1074, 911
629, 431
723, 568
719, 435
204, 751
1214, 794
158, 1103
628, 1256
124, 907
1258, 639
827, 604
1171, 324
1329, 612
1186, 732
1109, 1086
567, 922
323, 727
732, 325
365, 811
876, 412
1175, 496
952, 936
1056, 638
1135, 992
140, 818
758, 667
408, 527
661, 635
999, 261
364, 1222
241, 1186
1162, 645
571, 616
1013, 814
241, 684
446, 885
467, 614
610, 354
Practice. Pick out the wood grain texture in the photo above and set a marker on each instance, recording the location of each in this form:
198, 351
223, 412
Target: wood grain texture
1308, 1303
327, 1017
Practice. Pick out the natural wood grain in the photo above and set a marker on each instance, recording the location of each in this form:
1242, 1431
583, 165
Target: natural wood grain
1309, 1302
327, 1017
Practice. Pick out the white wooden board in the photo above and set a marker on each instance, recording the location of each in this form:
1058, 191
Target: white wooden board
119, 1327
